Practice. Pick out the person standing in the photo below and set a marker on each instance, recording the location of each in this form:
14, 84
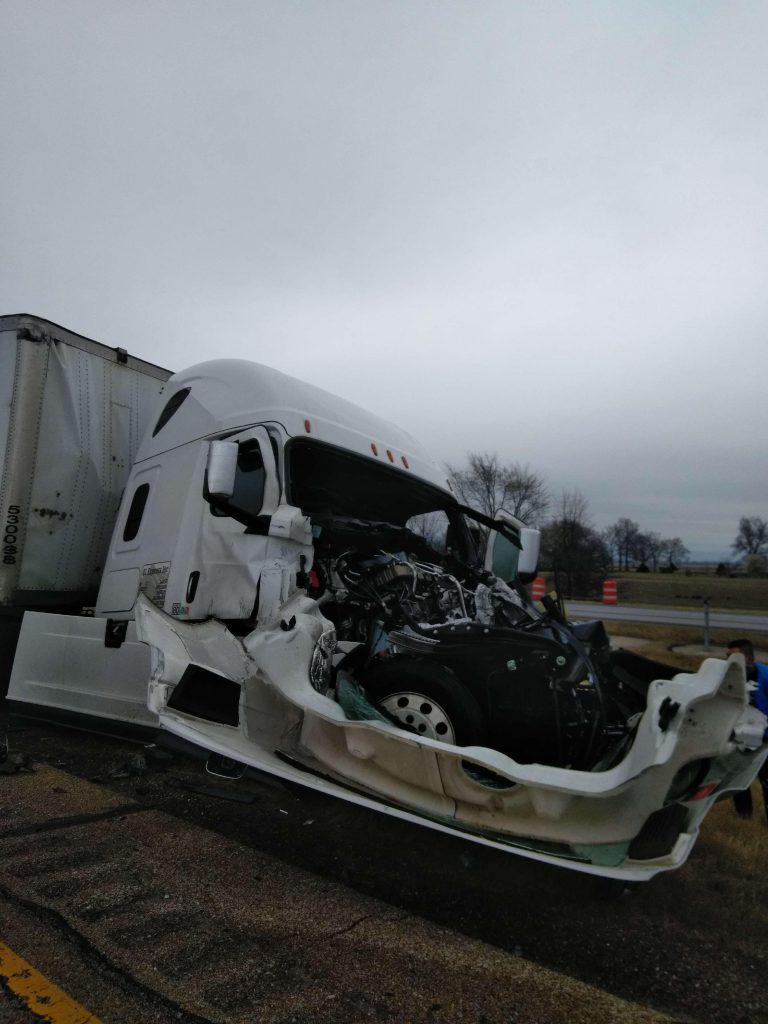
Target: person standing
757, 673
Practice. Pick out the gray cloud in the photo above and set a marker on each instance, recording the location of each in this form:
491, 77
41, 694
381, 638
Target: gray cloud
537, 229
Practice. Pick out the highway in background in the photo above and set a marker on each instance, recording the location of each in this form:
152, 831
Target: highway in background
737, 621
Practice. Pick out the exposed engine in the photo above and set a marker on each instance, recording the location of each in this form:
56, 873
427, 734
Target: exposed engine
396, 590
491, 668
405, 585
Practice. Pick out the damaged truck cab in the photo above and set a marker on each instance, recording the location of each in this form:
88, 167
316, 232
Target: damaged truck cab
316, 607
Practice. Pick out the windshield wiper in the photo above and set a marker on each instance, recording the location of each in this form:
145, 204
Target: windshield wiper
500, 525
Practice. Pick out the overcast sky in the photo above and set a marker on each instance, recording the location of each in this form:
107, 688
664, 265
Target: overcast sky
532, 228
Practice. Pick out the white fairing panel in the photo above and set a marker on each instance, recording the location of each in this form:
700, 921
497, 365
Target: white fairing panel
62, 664
231, 394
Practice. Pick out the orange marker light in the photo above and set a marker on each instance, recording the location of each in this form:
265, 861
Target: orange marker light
405, 462
390, 456
374, 449
705, 791
308, 426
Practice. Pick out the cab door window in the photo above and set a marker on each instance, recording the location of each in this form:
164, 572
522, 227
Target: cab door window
135, 513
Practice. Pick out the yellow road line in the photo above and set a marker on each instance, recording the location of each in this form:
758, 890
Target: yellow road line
41, 996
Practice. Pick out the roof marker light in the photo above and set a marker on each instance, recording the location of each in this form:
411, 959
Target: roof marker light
308, 426
404, 461
374, 449
390, 456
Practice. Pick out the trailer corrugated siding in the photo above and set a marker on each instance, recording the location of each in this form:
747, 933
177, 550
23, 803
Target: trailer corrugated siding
72, 417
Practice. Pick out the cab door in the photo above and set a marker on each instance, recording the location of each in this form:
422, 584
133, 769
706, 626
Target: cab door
223, 566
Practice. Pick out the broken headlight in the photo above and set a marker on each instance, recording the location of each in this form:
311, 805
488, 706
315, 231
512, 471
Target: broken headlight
321, 664
687, 781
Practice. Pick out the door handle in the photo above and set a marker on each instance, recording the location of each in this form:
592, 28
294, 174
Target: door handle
194, 579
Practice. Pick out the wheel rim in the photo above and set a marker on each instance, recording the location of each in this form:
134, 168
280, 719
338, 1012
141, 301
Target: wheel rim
421, 714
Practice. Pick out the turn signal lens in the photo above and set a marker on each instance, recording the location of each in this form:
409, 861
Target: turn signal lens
705, 791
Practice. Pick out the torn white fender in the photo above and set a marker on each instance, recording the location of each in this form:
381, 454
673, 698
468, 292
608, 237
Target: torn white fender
479, 790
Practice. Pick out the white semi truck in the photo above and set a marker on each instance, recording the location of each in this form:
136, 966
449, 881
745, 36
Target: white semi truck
308, 600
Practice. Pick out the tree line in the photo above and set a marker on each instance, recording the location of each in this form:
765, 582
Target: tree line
632, 547
571, 546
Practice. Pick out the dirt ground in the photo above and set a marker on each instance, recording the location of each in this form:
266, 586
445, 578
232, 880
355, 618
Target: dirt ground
696, 650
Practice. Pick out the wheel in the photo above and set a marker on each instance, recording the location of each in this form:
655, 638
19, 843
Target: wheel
426, 699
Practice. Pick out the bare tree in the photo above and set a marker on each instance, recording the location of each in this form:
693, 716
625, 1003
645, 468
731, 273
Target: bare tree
488, 485
647, 548
573, 507
573, 549
621, 538
630, 545
752, 538
526, 495
674, 551
608, 538
432, 526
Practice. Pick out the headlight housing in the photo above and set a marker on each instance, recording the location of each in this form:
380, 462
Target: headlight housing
687, 781
321, 663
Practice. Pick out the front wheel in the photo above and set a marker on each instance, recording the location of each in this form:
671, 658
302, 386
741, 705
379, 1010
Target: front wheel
426, 699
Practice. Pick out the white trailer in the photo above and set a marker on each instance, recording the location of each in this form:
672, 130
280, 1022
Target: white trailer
72, 415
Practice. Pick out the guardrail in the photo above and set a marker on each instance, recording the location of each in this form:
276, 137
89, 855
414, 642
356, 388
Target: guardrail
704, 618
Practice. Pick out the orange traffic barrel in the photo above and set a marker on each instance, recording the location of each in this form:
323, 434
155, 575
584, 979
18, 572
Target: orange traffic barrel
610, 592
538, 588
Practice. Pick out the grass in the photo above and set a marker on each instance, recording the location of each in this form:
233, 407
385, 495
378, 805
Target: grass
745, 846
727, 873
660, 641
678, 590
730, 860
726, 877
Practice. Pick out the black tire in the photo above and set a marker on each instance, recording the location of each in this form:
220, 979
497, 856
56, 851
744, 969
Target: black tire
427, 699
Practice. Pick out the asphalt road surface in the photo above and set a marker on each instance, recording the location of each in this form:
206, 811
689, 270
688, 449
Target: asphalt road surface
667, 616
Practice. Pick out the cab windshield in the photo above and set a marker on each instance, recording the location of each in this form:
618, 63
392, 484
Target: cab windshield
327, 481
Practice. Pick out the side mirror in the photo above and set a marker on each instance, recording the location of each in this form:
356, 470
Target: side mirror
507, 561
528, 563
221, 468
